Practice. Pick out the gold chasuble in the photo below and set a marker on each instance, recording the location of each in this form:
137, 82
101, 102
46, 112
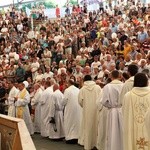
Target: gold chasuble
20, 109
136, 111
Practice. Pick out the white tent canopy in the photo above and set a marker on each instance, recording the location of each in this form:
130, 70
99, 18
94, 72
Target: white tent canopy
11, 2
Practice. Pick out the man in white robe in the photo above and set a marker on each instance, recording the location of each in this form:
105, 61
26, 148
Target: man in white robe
136, 114
128, 85
45, 102
22, 109
72, 113
88, 96
56, 114
110, 118
11, 99
35, 102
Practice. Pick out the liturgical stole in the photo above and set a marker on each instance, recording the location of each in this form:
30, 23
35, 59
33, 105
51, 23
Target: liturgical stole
20, 108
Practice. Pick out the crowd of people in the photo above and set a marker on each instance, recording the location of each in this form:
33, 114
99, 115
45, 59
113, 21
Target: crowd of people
84, 77
37, 12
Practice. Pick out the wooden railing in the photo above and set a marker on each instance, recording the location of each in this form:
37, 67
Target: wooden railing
14, 134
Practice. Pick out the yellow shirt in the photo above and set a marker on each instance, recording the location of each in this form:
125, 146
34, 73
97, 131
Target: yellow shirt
127, 49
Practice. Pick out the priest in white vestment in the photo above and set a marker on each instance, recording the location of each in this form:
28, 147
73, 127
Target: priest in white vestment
136, 115
35, 103
72, 113
56, 114
128, 85
11, 99
22, 109
45, 109
89, 94
110, 118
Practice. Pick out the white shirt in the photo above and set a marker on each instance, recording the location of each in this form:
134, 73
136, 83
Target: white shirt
46, 75
20, 27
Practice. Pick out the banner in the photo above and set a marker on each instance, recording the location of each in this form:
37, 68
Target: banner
48, 3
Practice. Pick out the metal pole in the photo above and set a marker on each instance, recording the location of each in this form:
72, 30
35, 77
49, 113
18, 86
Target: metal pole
31, 21
13, 3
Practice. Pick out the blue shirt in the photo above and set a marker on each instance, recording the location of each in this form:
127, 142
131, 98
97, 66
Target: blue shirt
114, 29
142, 36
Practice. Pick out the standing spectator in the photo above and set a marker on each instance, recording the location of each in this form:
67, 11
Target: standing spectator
34, 67
20, 73
48, 73
108, 61
101, 6
96, 63
142, 36
78, 72
67, 10
96, 51
2, 98
142, 65
47, 56
127, 48
57, 11
68, 45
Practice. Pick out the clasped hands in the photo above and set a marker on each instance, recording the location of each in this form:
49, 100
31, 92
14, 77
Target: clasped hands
15, 98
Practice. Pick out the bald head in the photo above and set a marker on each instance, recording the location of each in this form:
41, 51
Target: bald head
55, 87
53, 81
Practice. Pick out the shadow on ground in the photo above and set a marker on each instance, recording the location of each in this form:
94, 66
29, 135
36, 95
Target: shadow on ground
47, 144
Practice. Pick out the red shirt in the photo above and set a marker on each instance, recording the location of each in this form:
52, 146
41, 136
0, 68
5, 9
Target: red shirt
78, 9
104, 23
57, 12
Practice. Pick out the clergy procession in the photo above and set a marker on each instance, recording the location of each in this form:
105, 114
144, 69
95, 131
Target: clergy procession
115, 117
81, 79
